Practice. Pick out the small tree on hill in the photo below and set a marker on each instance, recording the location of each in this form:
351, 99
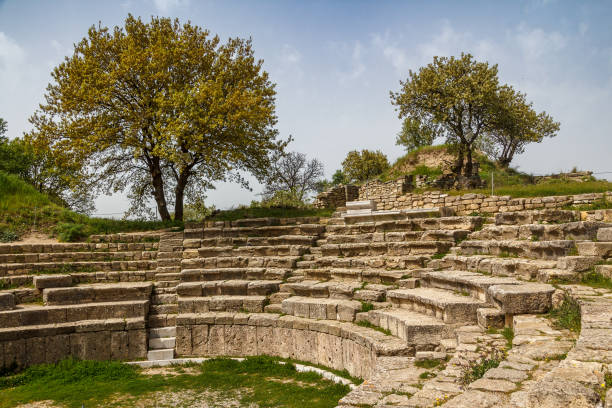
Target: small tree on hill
516, 124
293, 172
415, 135
161, 108
453, 96
364, 165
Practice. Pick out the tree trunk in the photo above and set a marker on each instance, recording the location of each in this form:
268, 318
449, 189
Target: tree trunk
158, 190
458, 166
180, 197
468, 162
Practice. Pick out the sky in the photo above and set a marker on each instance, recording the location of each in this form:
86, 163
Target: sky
335, 62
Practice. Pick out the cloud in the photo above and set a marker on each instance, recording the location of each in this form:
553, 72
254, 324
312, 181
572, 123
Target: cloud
164, 6
536, 42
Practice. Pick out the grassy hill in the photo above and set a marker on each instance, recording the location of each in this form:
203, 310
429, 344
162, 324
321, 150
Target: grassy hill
23, 209
430, 160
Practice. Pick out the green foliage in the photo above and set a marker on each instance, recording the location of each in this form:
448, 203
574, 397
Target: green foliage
508, 334
603, 204
338, 178
69, 232
596, 280
364, 165
23, 208
261, 212
415, 135
439, 255
427, 363
366, 306
282, 199
162, 108
74, 383
8, 235
477, 371
427, 375
567, 315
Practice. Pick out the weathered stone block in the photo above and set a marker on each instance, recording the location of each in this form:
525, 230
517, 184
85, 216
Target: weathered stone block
52, 281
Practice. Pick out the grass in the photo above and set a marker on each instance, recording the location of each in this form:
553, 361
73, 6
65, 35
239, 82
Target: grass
427, 363
567, 315
602, 204
365, 323
508, 334
256, 380
477, 371
439, 255
262, 212
596, 280
427, 375
64, 268
543, 189
366, 306
23, 208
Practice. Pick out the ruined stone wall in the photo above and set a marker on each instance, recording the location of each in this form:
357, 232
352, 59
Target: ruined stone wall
337, 196
390, 197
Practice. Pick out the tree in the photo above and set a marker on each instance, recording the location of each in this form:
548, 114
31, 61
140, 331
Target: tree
415, 135
453, 96
364, 165
338, 178
161, 108
516, 124
295, 173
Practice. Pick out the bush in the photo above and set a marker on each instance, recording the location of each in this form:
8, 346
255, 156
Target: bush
283, 199
69, 232
8, 236
364, 165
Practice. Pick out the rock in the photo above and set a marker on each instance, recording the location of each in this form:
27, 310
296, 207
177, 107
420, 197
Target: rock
604, 234
486, 384
52, 281
556, 393
7, 301
523, 298
508, 374
477, 399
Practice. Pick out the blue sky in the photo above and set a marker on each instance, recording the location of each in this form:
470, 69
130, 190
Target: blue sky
334, 63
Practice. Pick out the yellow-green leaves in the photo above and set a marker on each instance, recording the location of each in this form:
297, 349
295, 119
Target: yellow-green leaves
159, 98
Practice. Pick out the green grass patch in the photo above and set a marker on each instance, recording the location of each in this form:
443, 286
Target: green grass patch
427, 375
543, 189
508, 334
477, 371
23, 208
256, 380
62, 269
427, 363
596, 280
602, 204
365, 323
439, 255
366, 306
273, 212
567, 315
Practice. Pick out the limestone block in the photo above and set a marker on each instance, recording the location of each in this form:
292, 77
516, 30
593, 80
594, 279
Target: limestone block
216, 340
490, 318
604, 234
554, 393
52, 281
235, 337
200, 338
120, 346
523, 298
7, 301
137, 343
183, 341
36, 350
600, 249
577, 263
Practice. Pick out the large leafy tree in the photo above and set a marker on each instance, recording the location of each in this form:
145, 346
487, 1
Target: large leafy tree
415, 135
452, 97
516, 124
364, 165
161, 108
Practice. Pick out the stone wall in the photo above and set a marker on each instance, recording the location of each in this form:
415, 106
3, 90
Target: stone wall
337, 196
329, 343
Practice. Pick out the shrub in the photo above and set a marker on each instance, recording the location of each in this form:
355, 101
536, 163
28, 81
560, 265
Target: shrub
8, 236
364, 165
69, 232
567, 315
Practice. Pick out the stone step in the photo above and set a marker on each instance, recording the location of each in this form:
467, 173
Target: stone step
536, 217
321, 308
417, 224
579, 230
390, 262
557, 276
51, 281
7, 301
165, 284
264, 231
83, 256
377, 237
71, 247
240, 262
445, 305
162, 332
126, 237
229, 287
464, 282
417, 329
68, 267
246, 251
161, 321
223, 303
599, 249
604, 234
163, 299
273, 308
360, 275
526, 269
392, 215
548, 250
605, 270
98, 293
200, 275
41, 315
165, 276
407, 248
526, 298
167, 308
304, 240
318, 289
161, 343
162, 354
